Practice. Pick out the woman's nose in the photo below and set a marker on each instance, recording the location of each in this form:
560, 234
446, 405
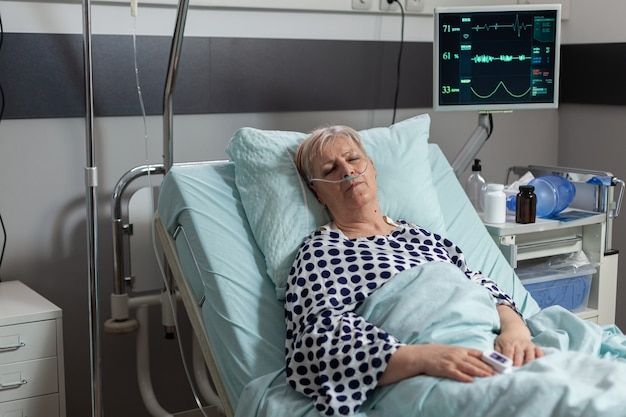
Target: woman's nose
345, 169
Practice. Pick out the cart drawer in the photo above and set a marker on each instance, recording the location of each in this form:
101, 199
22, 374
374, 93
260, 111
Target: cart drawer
28, 379
26, 341
44, 406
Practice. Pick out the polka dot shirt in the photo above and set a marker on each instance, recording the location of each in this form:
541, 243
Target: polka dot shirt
332, 354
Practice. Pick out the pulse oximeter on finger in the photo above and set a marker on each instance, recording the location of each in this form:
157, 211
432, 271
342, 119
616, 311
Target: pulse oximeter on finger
497, 361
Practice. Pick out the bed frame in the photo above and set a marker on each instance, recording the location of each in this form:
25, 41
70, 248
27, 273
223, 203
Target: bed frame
193, 312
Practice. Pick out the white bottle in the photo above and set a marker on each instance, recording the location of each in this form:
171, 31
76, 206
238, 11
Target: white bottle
495, 204
474, 186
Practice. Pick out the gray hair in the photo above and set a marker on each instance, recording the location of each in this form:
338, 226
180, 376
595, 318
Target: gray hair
317, 140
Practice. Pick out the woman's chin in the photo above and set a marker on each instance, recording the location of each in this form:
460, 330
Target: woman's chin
358, 201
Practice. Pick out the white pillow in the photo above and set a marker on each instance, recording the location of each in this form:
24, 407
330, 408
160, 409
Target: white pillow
282, 211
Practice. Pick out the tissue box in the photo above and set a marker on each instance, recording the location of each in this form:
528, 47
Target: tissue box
567, 287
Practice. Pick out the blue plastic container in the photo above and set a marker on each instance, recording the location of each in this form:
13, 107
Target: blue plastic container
554, 194
567, 288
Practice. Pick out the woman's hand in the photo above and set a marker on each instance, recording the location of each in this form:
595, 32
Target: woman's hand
518, 346
515, 340
454, 362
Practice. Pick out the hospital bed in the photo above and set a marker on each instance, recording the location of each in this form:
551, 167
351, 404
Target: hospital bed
220, 271
221, 275
239, 322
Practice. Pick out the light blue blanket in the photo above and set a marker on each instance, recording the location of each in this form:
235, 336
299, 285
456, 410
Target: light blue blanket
582, 374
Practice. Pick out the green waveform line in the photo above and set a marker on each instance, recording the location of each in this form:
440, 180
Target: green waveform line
516, 26
496, 89
486, 59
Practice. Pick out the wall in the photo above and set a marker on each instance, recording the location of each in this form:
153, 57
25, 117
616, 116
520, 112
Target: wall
42, 162
591, 135
595, 22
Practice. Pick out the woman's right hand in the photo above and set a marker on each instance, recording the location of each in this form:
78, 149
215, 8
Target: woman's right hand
453, 362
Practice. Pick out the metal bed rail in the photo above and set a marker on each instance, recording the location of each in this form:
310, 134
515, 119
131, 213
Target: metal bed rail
121, 229
170, 83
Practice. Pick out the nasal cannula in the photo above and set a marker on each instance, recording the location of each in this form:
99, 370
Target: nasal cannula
345, 177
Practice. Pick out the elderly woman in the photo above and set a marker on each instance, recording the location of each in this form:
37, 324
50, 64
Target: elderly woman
332, 354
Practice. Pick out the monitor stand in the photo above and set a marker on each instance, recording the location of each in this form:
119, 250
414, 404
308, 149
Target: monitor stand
473, 144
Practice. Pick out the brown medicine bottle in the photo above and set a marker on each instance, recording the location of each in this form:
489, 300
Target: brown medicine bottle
525, 205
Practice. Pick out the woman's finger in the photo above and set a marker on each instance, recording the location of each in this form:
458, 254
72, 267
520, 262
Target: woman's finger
538, 352
529, 354
475, 358
518, 356
509, 351
460, 376
478, 368
475, 353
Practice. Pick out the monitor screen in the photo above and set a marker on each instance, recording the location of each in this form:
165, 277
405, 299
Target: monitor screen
496, 57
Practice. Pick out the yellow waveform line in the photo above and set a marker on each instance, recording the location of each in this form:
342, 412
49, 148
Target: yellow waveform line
496, 89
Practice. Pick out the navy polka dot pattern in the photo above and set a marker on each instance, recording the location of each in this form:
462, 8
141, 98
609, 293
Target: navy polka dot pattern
332, 354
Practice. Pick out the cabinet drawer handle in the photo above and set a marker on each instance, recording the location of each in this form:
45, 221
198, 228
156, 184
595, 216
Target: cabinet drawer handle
550, 244
11, 348
12, 385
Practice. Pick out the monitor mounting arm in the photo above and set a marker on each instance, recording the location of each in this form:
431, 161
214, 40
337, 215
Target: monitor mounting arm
474, 143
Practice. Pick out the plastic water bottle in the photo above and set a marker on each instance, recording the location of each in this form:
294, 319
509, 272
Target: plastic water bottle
495, 204
554, 194
475, 185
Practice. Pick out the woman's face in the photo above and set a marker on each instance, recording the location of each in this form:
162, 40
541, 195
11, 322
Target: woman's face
342, 157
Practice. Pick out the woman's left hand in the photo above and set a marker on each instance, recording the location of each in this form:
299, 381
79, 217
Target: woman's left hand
515, 340
518, 346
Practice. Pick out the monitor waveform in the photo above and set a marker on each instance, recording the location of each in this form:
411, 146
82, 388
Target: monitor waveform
516, 26
486, 59
501, 83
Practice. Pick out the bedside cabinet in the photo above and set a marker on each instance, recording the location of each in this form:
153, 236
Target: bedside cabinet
32, 381
546, 238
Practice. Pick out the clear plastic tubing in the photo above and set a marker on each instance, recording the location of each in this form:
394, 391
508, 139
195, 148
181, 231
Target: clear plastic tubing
345, 177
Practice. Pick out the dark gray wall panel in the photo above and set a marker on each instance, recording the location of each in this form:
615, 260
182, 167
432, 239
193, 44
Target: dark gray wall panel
42, 75
593, 74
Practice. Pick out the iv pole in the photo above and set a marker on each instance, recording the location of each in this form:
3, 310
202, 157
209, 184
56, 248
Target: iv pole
91, 184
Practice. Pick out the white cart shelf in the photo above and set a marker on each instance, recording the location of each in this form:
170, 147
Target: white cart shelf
32, 381
546, 238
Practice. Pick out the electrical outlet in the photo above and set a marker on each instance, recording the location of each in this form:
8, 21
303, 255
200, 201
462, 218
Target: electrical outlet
362, 4
414, 5
386, 7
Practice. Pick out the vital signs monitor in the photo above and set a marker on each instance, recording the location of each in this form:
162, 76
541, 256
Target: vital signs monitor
495, 58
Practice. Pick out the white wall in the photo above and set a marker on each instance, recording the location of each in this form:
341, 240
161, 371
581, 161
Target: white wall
595, 22
42, 161
593, 136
